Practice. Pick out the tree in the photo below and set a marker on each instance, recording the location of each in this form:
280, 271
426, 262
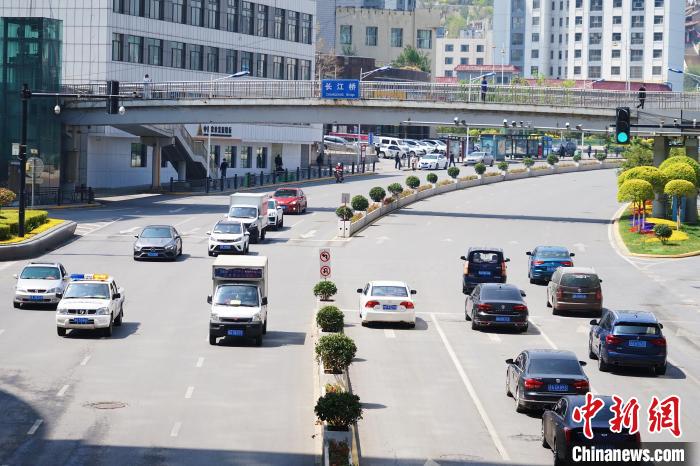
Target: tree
411, 57
680, 171
651, 174
377, 194
638, 153
6, 196
680, 189
685, 160
637, 192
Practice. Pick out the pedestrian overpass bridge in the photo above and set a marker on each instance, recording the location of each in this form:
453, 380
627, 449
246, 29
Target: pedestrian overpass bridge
379, 103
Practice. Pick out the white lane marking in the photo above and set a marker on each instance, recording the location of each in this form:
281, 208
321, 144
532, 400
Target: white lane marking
512, 242
494, 338
582, 329
447, 240
336, 239
86, 229
2, 330
174, 211
189, 219
32, 430
295, 224
130, 230
472, 392
85, 360
612, 242
309, 234
389, 333
62, 391
689, 301
188, 393
200, 361
7, 264
175, 431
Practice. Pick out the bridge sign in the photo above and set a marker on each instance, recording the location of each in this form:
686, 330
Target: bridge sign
340, 89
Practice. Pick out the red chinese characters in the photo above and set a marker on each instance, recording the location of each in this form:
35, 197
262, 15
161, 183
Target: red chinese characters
625, 415
665, 415
587, 412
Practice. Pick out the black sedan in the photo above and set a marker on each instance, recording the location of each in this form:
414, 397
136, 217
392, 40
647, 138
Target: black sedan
158, 242
539, 378
496, 305
561, 433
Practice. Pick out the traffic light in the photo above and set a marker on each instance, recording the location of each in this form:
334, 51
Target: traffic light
622, 125
112, 97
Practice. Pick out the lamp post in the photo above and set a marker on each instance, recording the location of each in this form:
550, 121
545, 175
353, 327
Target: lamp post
473, 79
693, 76
367, 73
503, 57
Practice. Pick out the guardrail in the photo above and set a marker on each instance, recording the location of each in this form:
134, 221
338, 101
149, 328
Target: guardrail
417, 92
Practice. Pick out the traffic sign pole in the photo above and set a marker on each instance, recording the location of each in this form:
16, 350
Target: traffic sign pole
324, 263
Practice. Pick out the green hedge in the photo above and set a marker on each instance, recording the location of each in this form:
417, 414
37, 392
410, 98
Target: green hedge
32, 219
4, 232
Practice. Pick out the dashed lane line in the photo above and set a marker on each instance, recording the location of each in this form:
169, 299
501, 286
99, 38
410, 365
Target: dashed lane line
189, 392
85, 360
7, 264
62, 391
175, 431
200, 362
2, 330
32, 430
494, 338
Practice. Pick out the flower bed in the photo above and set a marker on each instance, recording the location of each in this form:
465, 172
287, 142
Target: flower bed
517, 170
444, 182
685, 241
424, 187
468, 178
372, 208
488, 174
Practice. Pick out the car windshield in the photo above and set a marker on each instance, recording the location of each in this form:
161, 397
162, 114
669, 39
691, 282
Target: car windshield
430, 143
237, 295
500, 294
228, 228
270, 204
636, 329
243, 212
285, 193
40, 273
431, 157
580, 280
156, 232
553, 254
87, 290
484, 257
554, 366
393, 291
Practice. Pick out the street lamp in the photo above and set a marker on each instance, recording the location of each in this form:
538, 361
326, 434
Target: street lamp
503, 58
693, 76
487, 75
367, 73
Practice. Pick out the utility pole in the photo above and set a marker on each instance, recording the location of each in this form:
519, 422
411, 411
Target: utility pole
25, 94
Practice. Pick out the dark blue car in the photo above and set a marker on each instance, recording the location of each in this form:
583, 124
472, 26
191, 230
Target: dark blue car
544, 260
628, 338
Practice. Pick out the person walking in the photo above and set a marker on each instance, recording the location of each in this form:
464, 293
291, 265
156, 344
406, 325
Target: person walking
147, 83
223, 167
319, 161
642, 96
376, 150
397, 160
278, 162
452, 160
589, 151
484, 89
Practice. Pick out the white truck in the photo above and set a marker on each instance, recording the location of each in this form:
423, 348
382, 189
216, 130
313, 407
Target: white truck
251, 209
239, 299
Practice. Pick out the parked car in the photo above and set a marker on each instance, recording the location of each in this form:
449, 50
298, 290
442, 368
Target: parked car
575, 289
628, 338
390, 151
292, 200
39, 283
414, 148
275, 214
496, 305
479, 157
385, 141
433, 162
538, 378
442, 147
544, 261
483, 265
387, 301
561, 433
336, 143
158, 242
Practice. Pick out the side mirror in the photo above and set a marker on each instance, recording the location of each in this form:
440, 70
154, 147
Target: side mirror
572, 254
247, 233
264, 301
14, 275
583, 363
661, 325
136, 236
529, 253
506, 259
600, 280
209, 299
116, 295
59, 295
208, 233
509, 361
522, 293
359, 290
593, 322
414, 292
463, 258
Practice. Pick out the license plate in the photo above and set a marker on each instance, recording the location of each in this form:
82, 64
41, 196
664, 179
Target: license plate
81, 320
36, 298
225, 246
502, 319
235, 333
557, 387
484, 273
152, 254
389, 307
637, 343
579, 296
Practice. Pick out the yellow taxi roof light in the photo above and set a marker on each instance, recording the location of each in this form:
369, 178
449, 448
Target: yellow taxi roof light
100, 276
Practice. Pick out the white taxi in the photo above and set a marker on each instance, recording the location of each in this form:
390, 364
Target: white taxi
92, 302
387, 301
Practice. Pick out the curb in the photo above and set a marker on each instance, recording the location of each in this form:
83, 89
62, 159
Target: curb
71, 206
622, 247
41, 243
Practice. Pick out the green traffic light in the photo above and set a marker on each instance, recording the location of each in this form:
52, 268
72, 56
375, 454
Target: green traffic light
622, 137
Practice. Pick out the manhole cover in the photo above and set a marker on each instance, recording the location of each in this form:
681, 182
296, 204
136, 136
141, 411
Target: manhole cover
106, 405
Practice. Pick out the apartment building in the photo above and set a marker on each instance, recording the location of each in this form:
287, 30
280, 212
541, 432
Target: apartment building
474, 46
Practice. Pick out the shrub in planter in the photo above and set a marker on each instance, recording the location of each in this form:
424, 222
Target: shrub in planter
377, 194
338, 453
339, 410
336, 351
333, 388
601, 156
359, 202
503, 166
412, 182
468, 178
372, 208
325, 289
344, 212
480, 168
663, 232
552, 159
432, 178
357, 216
395, 189
444, 182
453, 172
4, 232
577, 156
528, 162
6, 196
330, 319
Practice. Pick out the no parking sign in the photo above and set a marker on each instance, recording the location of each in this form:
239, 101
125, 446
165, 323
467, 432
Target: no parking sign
324, 263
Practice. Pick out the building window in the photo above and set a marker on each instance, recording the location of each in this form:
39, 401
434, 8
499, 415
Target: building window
176, 12
261, 65
637, 21
534, 70
177, 54
464, 61
595, 38
658, 3
535, 20
212, 59
616, 36
231, 67
578, 20
596, 5
637, 5
637, 38
535, 4
578, 36
594, 54
479, 48
577, 70
261, 157
656, 70
154, 48
132, 7
617, 3
535, 37
278, 28
117, 6
615, 70
292, 26
636, 72
636, 55
247, 61
658, 19
291, 68
230, 153
277, 67
615, 53
346, 34
593, 72
464, 48
595, 21
448, 73
396, 37
213, 14
139, 155
577, 53
194, 53
117, 47
154, 9
518, 37
425, 39
194, 12
306, 29
448, 60
534, 53
579, 3
658, 53
246, 18
305, 70
261, 20
617, 20
371, 36
449, 48
479, 61
246, 157
658, 36
232, 15
135, 49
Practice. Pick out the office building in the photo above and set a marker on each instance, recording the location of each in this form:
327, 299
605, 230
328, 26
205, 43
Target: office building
474, 46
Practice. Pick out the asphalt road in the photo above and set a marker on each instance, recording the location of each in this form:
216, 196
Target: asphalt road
174, 399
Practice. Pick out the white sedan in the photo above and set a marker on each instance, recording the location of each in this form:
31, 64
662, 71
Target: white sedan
433, 162
387, 301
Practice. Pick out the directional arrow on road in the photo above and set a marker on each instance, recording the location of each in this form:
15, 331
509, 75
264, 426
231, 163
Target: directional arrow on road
309, 234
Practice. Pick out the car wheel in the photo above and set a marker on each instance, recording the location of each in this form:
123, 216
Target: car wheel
107, 332
281, 225
555, 311
519, 408
118, 320
591, 354
61, 331
262, 235
533, 281
543, 438
258, 340
549, 303
660, 370
211, 254
212, 339
16, 305
524, 329
411, 325
475, 326
364, 323
264, 329
508, 392
602, 365
491, 164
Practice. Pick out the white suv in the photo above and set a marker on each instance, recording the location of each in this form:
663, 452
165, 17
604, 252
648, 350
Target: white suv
38, 283
90, 301
228, 237
275, 214
385, 142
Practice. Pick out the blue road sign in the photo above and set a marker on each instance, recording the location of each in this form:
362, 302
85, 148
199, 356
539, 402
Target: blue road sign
370, 138
340, 89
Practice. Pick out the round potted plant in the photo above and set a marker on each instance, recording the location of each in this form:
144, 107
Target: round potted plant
336, 351
325, 289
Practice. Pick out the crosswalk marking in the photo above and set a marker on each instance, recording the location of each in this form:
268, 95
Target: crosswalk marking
85, 229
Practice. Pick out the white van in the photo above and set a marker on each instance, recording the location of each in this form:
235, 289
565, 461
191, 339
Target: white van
385, 142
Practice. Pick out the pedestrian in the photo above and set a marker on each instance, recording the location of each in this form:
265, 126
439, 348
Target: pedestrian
642, 96
589, 151
223, 167
278, 162
147, 83
452, 160
397, 160
319, 160
484, 89
414, 161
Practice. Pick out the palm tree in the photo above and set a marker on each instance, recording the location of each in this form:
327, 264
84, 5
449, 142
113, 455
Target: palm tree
411, 57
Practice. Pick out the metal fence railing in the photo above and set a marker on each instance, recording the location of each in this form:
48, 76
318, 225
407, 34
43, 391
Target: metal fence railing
58, 196
417, 92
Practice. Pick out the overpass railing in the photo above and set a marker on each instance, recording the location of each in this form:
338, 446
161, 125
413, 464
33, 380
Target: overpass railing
396, 91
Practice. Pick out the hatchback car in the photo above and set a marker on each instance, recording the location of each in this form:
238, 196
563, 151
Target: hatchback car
483, 265
387, 301
575, 289
628, 338
561, 433
544, 261
292, 200
433, 161
158, 242
479, 157
38, 283
496, 305
539, 378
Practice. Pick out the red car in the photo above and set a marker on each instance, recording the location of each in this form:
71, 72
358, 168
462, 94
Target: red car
292, 200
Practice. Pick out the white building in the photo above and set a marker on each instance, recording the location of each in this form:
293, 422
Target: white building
473, 47
176, 40
613, 40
